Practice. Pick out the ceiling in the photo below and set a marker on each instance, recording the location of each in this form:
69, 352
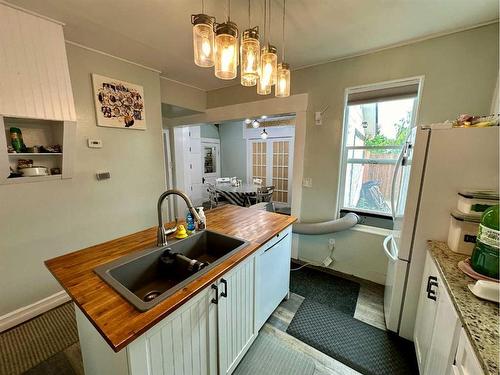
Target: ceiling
157, 33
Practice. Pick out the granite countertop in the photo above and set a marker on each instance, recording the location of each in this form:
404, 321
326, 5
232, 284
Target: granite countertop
118, 321
479, 317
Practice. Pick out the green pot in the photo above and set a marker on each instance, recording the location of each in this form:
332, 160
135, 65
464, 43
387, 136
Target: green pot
484, 260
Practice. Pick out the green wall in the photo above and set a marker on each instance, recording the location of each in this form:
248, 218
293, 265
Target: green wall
233, 150
209, 131
460, 74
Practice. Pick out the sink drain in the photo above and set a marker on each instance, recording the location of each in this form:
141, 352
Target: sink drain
151, 295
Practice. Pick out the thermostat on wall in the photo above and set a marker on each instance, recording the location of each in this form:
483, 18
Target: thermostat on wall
94, 143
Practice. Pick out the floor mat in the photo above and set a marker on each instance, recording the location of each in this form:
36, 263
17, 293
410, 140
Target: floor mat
360, 346
269, 356
332, 291
35, 341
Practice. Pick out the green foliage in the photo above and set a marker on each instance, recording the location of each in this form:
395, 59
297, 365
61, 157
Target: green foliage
403, 129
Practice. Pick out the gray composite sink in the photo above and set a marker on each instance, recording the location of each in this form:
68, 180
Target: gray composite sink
145, 280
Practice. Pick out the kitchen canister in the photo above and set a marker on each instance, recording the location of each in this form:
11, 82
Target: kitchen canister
474, 201
462, 232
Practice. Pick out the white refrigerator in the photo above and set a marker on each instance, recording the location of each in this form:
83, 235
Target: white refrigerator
435, 163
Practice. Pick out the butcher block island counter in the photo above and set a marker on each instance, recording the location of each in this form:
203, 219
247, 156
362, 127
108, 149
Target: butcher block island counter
204, 328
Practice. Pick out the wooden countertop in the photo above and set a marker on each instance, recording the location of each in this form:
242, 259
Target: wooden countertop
118, 321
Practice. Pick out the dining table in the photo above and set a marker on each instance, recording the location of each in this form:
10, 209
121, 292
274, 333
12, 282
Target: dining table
241, 195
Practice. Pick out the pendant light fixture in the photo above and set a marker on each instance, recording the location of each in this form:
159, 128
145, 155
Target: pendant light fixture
203, 38
264, 134
226, 48
250, 54
255, 124
264, 82
282, 89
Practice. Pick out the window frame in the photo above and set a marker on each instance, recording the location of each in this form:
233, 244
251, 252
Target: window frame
344, 150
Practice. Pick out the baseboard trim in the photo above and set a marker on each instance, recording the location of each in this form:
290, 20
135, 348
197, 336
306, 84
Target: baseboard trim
25, 313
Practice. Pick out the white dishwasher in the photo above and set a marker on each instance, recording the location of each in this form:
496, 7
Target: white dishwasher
272, 275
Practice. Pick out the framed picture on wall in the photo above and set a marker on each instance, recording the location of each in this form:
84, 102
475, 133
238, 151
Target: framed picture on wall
118, 104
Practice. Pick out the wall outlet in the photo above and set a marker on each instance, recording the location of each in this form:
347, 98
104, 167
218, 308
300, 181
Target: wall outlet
318, 118
307, 182
331, 243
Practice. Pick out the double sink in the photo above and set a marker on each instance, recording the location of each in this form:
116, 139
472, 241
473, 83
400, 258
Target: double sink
144, 278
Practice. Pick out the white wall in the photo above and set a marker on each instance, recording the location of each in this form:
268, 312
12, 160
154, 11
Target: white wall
41, 220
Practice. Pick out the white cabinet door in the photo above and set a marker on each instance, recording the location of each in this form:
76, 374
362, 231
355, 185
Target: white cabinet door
426, 312
466, 362
444, 337
272, 276
236, 315
185, 343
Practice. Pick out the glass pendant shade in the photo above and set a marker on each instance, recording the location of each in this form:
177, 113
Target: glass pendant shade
282, 89
226, 50
250, 57
203, 40
268, 64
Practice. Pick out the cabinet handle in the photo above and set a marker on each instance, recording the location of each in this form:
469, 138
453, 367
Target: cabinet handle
224, 293
216, 298
431, 282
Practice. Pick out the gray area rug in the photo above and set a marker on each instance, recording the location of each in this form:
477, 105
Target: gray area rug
365, 348
329, 290
37, 340
269, 356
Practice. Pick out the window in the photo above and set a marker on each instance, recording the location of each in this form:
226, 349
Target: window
377, 122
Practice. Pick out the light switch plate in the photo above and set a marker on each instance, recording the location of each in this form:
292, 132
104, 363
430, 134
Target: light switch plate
94, 143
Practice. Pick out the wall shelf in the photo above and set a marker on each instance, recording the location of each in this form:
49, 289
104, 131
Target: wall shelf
26, 154
37, 132
21, 180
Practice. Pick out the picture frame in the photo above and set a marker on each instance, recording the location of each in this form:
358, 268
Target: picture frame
118, 104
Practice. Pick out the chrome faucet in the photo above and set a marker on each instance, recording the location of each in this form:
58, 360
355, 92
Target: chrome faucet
161, 238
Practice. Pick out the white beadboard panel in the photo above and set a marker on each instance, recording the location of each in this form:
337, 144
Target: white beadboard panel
34, 74
236, 316
180, 344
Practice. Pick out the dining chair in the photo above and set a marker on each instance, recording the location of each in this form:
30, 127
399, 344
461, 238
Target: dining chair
212, 195
265, 194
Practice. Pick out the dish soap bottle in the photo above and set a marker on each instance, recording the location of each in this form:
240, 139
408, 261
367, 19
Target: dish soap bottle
190, 223
485, 256
201, 214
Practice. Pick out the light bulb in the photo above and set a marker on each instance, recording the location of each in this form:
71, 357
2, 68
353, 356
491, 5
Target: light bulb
206, 47
248, 121
264, 134
255, 124
227, 57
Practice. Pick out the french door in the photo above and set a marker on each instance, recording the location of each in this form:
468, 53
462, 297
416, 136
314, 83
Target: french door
210, 163
271, 160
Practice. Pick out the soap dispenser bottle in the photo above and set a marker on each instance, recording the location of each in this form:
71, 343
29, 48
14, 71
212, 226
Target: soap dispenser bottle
203, 224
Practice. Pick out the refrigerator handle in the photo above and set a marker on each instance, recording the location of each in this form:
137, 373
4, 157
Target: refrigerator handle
386, 248
393, 185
